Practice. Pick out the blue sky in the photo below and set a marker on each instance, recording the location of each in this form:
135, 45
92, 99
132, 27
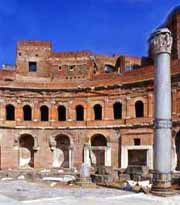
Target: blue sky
102, 26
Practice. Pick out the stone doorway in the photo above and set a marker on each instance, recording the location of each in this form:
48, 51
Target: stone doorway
98, 147
26, 151
62, 152
137, 157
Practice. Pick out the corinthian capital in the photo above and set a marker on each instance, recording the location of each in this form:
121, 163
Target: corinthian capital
161, 41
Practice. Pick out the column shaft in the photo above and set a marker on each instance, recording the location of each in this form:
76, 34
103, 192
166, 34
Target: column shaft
162, 144
161, 44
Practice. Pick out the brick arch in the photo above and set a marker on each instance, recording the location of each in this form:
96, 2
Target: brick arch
52, 139
98, 140
45, 104
65, 104
102, 104
44, 116
11, 103
117, 107
143, 99
82, 103
79, 103
61, 147
27, 103
90, 135
120, 100
10, 111
117, 101
17, 138
27, 112
145, 105
26, 150
98, 102
24, 135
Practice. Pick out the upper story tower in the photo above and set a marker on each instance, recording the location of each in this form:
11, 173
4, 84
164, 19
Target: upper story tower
32, 58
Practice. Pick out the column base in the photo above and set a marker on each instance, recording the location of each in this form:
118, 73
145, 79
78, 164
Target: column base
162, 192
162, 189
162, 185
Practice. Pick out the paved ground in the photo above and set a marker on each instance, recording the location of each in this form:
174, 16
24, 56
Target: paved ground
21, 192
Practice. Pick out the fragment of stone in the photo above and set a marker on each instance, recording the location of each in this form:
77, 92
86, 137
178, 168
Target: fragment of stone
21, 177
6, 179
65, 178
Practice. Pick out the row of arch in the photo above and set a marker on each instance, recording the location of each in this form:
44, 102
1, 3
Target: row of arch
61, 147
63, 143
61, 110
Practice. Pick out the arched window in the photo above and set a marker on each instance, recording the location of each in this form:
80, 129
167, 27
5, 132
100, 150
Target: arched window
61, 113
79, 113
117, 110
139, 108
10, 112
44, 113
97, 112
27, 113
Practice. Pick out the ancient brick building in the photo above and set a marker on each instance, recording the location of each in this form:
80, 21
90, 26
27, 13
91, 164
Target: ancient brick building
59, 109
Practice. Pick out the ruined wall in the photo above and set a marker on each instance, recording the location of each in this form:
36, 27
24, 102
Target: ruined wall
33, 51
119, 132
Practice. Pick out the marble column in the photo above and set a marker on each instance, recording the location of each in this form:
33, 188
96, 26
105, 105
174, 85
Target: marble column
161, 44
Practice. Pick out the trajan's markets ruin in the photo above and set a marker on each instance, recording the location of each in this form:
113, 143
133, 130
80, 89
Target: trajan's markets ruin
60, 109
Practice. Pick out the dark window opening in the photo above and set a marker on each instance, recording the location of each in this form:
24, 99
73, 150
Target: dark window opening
137, 141
79, 113
27, 112
44, 113
98, 112
61, 113
139, 108
117, 109
32, 66
10, 112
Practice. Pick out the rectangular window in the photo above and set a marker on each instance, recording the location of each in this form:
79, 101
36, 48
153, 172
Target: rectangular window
137, 141
32, 66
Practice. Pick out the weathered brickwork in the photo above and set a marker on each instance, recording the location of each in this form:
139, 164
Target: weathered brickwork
80, 107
